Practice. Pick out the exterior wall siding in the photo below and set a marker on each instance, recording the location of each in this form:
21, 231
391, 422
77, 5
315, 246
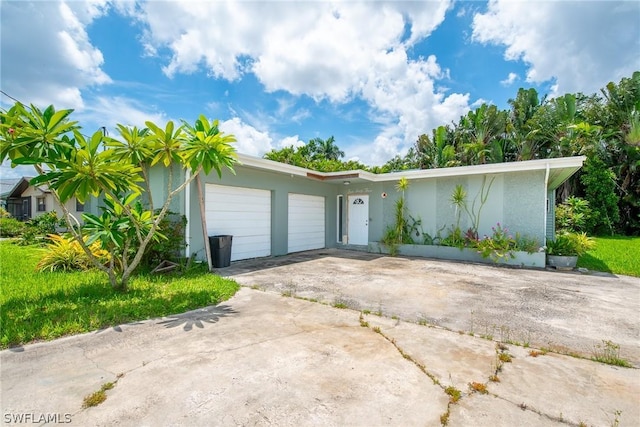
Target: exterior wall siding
516, 200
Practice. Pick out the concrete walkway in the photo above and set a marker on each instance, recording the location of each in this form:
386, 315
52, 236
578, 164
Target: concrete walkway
265, 359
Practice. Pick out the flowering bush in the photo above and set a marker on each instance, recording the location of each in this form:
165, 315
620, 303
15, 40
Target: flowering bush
499, 246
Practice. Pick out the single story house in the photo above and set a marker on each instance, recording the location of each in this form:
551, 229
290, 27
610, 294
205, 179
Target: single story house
274, 209
24, 201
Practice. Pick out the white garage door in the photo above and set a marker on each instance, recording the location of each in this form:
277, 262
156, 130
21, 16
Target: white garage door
244, 213
306, 222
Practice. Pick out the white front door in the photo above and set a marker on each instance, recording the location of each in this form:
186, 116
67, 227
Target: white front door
358, 227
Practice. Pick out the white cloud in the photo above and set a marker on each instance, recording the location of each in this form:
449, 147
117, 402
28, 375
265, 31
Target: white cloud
291, 141
109, 111
47, 57
327, 51
582, 45
250, 140
511, 79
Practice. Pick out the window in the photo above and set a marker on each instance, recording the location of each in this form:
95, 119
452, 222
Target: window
79, 206
42, 205
339, 218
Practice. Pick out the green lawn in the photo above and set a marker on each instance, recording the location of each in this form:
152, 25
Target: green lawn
43, 306
618, 255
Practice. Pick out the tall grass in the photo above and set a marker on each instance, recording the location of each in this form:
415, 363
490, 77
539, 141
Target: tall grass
43, 306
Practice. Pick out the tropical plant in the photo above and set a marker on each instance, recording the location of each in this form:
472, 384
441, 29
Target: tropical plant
499, 246
73, 165
399, 232
573, 215
66, 254
570, 244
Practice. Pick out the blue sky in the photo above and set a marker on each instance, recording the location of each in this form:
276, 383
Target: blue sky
373, 74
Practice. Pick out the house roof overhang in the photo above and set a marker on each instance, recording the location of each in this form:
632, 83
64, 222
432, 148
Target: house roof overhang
20, 187
559, 170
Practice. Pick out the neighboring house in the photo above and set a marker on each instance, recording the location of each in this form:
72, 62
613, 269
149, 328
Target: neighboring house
25, 201
273, 208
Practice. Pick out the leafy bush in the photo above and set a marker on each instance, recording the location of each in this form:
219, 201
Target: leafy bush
11, 227
170, 248
573, 215
570, 244
45, 223
4, 213
599, 184
65, 254
527, 244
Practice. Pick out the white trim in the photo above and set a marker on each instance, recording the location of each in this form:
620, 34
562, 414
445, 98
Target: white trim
527, 165
187, 214
546, 204
339, 203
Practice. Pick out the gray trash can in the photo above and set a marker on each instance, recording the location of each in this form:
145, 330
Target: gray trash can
220, 250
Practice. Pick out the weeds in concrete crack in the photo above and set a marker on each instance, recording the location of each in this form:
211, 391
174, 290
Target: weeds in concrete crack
476, 387
454, 394
363, 322
505, 357
97, 397
444, 418
609, 352
536, 353
555, 418
616, 418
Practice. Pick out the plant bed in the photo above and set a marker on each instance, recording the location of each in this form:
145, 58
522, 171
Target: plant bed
521, 258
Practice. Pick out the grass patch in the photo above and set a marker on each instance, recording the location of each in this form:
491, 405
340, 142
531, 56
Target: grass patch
44, 306
616, 254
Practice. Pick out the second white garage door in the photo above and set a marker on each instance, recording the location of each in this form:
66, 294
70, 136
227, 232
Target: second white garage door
306, 222
244, 213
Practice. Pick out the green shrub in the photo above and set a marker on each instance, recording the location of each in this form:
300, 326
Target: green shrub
570, 244
45, 223
65, 254
573, 215
11, 227
170, 249
4, 213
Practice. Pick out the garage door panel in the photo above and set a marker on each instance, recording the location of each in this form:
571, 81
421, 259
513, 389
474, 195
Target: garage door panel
306, 220
244, 213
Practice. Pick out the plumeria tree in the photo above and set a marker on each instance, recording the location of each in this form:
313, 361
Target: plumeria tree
115, 170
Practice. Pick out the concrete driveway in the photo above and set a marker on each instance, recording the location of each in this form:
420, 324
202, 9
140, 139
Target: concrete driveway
567, 312
265, 359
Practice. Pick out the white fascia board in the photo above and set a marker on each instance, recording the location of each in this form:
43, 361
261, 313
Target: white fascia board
270, 165
527, 165
493, 168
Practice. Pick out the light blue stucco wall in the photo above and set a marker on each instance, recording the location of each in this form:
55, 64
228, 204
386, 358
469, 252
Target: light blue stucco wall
516, 200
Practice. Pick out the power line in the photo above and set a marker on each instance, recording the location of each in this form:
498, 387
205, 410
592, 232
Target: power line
9, 96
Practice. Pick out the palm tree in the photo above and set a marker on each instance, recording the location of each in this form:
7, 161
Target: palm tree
325, 149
